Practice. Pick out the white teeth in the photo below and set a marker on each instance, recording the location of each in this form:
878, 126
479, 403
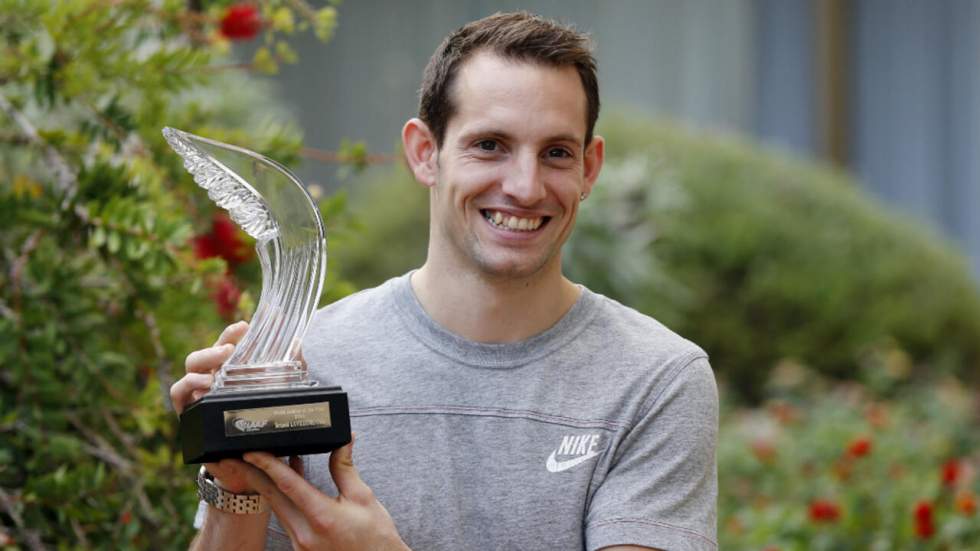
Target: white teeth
500, 219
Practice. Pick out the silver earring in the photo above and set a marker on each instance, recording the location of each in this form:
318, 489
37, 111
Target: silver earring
582, 197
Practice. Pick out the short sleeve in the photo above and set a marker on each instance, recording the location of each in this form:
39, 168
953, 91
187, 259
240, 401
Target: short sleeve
662, 485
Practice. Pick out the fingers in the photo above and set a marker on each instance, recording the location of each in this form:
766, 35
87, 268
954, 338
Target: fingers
201, 363
286, 511
233, 333
345, 475
207, 360
306, 497
230, 474
189, 388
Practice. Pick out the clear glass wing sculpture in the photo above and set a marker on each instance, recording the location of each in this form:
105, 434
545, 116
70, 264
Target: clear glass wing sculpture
270, 204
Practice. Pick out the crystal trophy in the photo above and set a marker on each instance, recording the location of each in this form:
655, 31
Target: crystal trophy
262, 398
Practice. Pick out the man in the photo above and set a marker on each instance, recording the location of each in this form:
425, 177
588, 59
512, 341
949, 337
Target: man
495, 403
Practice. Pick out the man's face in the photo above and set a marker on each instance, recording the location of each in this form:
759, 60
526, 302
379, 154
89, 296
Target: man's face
511, 167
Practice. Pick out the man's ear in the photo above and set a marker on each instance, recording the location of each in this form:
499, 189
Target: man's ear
595, 154
421, 151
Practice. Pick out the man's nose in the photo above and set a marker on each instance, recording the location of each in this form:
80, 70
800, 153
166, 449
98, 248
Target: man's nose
523, 182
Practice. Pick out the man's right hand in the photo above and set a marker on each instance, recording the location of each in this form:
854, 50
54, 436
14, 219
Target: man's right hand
200, 366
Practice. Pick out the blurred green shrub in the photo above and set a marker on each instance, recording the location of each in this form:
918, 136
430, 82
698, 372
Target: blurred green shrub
390, 230
102, 294
755, 257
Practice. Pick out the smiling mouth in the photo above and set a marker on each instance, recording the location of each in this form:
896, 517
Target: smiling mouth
513, 223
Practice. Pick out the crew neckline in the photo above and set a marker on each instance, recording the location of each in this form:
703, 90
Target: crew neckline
490, 355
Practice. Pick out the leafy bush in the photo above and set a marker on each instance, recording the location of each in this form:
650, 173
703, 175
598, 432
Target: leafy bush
102, 292
832, 468
760, 258
755, 257
390, 230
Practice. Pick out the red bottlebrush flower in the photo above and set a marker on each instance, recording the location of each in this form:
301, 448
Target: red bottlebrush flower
126, 517
241, 22
226, 295
204, 247
924, 525
859, 447
225, 240
966, 503
228, 240
951, 471
824, 510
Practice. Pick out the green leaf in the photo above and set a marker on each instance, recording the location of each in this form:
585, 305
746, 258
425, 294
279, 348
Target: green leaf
113, 241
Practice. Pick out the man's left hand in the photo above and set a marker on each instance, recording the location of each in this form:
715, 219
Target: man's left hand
355, 519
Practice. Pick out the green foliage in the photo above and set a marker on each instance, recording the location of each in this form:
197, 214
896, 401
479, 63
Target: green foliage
760, 259
101, 294
391, 232
832, 468
755, 257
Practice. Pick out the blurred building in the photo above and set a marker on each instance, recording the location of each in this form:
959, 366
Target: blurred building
887, 88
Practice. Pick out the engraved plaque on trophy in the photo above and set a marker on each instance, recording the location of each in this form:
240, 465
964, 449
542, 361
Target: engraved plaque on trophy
263, 398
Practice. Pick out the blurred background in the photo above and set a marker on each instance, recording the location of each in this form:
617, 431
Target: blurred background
888, 89
790, 184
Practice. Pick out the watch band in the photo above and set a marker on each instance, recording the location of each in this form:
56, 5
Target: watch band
223, 500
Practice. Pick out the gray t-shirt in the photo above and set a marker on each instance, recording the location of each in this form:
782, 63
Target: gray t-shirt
599, 431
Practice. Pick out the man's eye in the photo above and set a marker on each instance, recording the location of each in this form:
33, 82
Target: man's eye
487, 145
559, 153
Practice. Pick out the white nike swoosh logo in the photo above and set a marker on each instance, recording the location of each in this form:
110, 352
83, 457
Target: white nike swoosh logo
559, 466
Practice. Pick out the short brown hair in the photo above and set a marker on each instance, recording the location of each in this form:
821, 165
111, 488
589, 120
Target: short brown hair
517, 35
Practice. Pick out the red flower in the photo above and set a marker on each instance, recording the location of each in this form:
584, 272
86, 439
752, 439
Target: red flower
226, 295
241, 22
763, 450
225, 240
783, 412
859, 447
126, 517
951, 471
966, 503
824, 510
924, 525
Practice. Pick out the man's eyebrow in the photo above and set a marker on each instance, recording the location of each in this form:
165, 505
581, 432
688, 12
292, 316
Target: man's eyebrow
497, 133
481, 132
565, 138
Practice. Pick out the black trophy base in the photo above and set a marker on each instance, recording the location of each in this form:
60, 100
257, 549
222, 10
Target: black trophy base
285, 422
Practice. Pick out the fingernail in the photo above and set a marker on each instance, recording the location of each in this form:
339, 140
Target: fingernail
248, 457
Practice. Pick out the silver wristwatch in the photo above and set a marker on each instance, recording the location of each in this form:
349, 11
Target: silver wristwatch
223, 500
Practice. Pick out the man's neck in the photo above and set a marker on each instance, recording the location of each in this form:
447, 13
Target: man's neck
494, 310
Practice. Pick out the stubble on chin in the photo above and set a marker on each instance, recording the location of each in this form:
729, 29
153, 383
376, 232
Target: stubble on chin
522, 267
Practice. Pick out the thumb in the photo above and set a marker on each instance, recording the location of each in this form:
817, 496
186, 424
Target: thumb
345, 476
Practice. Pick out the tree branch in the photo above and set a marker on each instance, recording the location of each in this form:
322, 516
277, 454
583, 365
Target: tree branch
28, 537
164, 367
66, 177
100, 448
333, 157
